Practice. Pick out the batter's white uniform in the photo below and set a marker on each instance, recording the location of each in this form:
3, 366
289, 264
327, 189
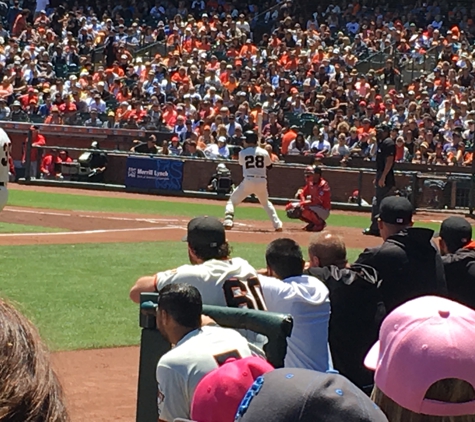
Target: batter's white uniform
254, 161
181, 369
5, 148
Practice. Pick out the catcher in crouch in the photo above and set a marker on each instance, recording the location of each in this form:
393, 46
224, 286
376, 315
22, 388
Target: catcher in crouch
314, 201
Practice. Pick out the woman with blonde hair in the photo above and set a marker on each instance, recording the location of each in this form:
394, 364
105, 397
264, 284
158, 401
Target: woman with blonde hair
424, 362
30, 390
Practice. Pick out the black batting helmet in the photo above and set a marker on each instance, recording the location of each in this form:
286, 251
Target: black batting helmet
251, 137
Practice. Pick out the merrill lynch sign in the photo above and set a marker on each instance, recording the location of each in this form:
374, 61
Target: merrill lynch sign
141, 173
154, 173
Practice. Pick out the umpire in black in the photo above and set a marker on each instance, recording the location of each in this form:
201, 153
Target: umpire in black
408, 261
385, 181
458, 256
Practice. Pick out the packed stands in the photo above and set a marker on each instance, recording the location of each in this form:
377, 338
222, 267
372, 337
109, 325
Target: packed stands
317, 79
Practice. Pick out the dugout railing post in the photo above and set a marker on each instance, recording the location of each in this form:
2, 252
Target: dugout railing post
28, 146
153, 346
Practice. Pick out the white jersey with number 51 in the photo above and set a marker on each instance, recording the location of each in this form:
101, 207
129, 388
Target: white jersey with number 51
254, 161
5, 147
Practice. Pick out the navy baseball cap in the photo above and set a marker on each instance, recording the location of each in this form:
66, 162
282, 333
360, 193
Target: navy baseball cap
302, 395
396, 210
205, 231
456, 232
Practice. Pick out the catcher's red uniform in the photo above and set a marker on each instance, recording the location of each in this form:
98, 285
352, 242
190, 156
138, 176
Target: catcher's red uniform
316, 195
315, 204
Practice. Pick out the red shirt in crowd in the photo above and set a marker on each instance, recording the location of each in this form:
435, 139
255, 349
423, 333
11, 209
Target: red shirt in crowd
317, 194
37, 141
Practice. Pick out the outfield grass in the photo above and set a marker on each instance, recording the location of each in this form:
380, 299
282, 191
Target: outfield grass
78, 294
24, 228
165, 208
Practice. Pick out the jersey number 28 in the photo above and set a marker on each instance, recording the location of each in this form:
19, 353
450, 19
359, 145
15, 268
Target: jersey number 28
244, 294
254, 161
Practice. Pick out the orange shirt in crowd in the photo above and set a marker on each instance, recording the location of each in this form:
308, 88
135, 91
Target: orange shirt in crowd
286, 140
169, 117
248, 50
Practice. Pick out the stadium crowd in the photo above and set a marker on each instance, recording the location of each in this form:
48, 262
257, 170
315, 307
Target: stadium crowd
226, 67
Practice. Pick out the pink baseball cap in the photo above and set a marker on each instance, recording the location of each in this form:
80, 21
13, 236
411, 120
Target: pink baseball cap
219, 394
423, 341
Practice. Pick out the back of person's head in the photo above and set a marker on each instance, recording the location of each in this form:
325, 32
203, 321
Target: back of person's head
326, 248
284, 258
219, 394
206, 239
30, 389
455, 233
424, 362
302, 395
183, 303
395, 214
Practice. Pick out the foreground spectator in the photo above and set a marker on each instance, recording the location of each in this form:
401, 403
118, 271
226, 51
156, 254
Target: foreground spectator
198, 350
306, 298
303, 395
355, 311
424, 362
458, 256
408, 262
220, 392
30, 389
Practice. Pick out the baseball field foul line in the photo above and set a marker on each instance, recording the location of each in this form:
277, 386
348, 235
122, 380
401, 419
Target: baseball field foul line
91, 232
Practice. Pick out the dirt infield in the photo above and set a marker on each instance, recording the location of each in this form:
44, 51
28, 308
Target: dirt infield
101, 384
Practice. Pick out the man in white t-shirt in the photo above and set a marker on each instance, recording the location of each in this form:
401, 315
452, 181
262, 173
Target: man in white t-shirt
304, 297
254, 161
198, 350
221, 280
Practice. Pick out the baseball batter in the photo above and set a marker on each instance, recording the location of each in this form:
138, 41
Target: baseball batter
254, 161
5, 147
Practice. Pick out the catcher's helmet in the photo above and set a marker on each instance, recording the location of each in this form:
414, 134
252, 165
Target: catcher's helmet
251, 137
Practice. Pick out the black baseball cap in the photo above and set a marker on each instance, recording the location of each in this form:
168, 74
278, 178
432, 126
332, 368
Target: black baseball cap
456, 232
302, 395
383, 128
205, 232
396, 210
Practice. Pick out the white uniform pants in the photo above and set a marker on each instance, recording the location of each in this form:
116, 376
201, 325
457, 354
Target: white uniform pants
3, 197
258, 187
320, 211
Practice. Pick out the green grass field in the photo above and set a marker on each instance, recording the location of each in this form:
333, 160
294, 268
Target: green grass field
164, 208
78, 294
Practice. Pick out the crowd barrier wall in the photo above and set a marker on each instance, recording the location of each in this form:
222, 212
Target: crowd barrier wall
284, 180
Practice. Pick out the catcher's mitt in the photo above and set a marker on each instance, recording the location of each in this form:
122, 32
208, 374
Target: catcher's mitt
293, 210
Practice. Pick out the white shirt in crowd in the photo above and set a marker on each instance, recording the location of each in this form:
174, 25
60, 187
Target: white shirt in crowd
321, 145
209, 278
5, 146
307, 299
254, 161
181, 369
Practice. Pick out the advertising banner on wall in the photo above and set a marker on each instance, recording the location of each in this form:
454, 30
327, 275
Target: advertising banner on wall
154, 173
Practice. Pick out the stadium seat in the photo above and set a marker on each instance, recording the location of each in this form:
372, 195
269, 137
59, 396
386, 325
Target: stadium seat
153, 346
